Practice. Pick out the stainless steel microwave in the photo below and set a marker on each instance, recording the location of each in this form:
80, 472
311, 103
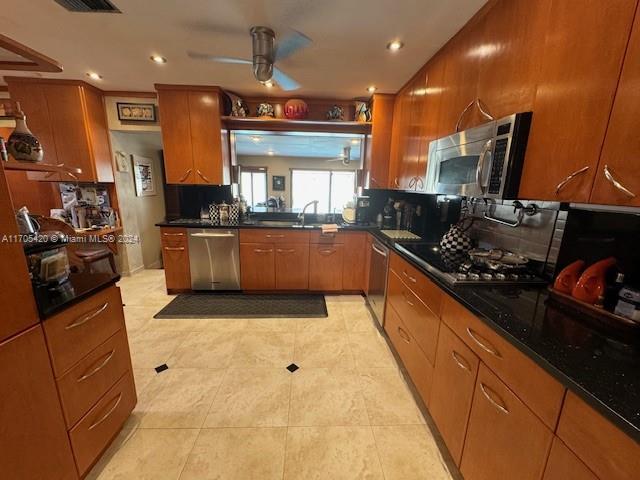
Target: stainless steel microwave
484, 161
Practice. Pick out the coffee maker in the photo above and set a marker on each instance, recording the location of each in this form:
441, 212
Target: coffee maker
362, 210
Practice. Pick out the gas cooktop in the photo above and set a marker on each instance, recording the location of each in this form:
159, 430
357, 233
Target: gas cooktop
457, 268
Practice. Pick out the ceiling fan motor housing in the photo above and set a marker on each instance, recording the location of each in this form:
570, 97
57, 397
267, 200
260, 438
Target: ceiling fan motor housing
263, 52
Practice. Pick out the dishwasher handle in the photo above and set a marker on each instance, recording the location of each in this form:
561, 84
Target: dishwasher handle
213, 235
378, 250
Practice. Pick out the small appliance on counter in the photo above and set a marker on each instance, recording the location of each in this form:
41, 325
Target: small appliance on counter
27, 224
362, 210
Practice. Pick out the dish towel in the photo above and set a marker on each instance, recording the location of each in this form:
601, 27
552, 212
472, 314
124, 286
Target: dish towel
329, 228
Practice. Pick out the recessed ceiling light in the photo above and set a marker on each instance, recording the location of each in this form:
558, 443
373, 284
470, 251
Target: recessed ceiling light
268, 83
255, 139
271, 153
372, 89
158, 59
94, 76
395, 45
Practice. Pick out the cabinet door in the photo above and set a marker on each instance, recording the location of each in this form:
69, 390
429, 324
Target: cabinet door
380, 140
454, 379
411, 158
34, 438
621, 151
257, 266
563, 464
578, 72
176, 267
513, 37
325, 267
354, 269
292, 266
504, 438
33, 103
173, 106
96, 125
206, 141
69, 128
400, 138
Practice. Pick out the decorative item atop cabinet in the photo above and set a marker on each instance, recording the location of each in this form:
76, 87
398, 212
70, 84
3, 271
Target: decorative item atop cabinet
68, 118
265, 110
196, 147
363, 112
335, 113
296, 109
22, 144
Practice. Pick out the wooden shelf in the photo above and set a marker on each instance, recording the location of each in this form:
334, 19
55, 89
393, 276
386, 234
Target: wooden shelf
283, 124
40, 167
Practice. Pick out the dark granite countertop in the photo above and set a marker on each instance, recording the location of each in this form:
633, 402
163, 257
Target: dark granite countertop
195, 223
600, 367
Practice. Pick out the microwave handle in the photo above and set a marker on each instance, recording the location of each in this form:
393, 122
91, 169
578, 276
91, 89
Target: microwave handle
481, 160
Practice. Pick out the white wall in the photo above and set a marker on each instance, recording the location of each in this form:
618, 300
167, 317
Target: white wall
140, 214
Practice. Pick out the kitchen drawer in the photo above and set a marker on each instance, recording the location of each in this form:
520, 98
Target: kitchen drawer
504, 438
93, 433
172, 236
325, 267
76, 331
412, 356
563, 464
541, 392
454, 379
90, 378
273, 235
422, 323
605, 449
430, 294
333, 238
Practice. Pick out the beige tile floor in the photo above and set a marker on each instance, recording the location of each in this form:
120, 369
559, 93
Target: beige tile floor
228, 409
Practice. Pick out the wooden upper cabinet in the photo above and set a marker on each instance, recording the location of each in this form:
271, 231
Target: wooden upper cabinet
621, 153
195, 146
512, 38
379, 147
578, 71
69, 118
504, 438
34, 436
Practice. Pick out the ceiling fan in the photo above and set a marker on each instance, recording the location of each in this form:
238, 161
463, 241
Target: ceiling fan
265, 53
344, 157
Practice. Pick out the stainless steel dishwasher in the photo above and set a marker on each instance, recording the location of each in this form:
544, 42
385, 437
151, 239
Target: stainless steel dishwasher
214, 259
377, 292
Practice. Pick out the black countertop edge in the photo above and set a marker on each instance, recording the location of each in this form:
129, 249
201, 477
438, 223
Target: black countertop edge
242, 225
84, 293
620, 420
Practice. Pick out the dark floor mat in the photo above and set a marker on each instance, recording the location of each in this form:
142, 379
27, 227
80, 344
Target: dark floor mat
225, 305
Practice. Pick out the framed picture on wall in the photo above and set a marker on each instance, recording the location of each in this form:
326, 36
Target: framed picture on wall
144, 176
278, 182
136, 112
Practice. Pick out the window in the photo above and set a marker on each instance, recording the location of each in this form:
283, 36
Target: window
332, 188
253, 185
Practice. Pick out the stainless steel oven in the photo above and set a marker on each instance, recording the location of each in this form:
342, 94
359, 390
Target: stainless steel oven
484, 161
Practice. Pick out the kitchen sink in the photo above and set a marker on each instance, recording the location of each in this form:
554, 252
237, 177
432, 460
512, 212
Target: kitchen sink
278, 223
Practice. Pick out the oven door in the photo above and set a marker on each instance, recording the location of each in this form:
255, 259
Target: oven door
461, 169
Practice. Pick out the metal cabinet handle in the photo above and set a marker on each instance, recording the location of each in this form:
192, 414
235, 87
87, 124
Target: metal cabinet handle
411, 279
212, 235
480, 167
420, 184
373, 180
173, 234
378, 250
174, 249
290, 250
327, 252
570, 177
98, 368
481, 106
84, 320
185, 176
616, 183
396, 182
404, 335
268, 235
106, 415
260, 250
499, 405
460, 361
412, 182
486, 346
406, 299
202, 175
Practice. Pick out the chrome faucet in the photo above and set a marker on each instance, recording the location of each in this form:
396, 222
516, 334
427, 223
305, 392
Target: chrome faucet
304, 210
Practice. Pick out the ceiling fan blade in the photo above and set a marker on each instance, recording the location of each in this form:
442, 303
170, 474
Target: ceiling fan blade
284, 81
290, 44
217, 58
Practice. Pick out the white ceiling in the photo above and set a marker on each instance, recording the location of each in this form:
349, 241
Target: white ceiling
297, 145
348, 51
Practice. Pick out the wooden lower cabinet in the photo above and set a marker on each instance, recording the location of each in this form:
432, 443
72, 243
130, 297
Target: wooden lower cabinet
257, 266
355, 261
292, 266
34, 439
454, 379
325, 267
504, 438
175, 258
564, 465
412, 356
